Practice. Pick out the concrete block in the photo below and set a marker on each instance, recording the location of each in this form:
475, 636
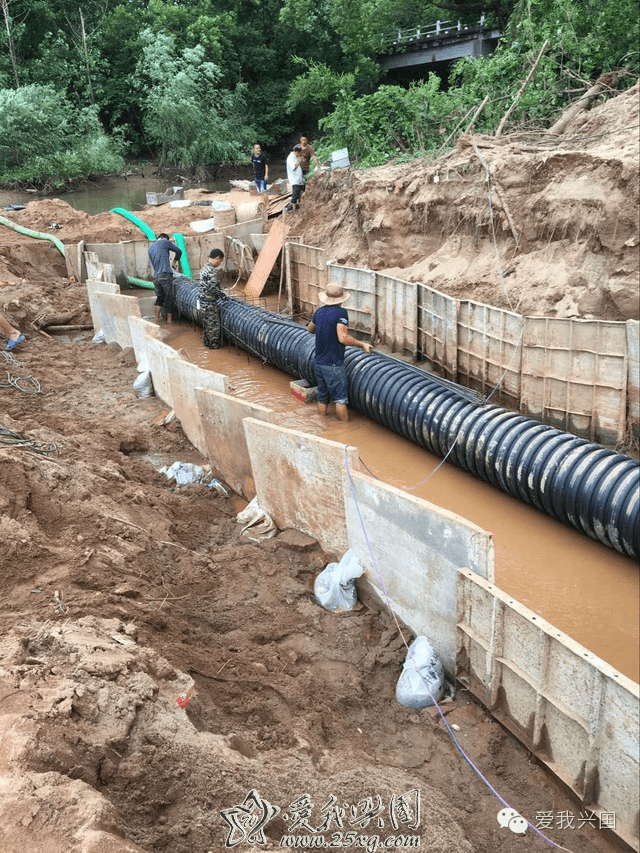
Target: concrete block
298, 481
157, 356
95, 286
185, 378
304, 391
142, 332
115, 311
417, 549
227, 451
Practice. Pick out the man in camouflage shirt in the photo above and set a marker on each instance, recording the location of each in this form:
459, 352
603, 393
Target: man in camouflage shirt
210, 292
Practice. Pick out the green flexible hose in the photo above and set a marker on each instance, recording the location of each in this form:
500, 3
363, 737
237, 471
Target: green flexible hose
140, 282
184, 260
133, 218
37, 234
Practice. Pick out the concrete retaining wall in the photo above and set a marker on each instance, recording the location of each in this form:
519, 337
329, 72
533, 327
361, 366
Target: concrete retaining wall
412, 551
572, 710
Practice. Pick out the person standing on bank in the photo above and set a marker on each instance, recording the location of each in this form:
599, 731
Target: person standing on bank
159, 252
330, 325
295, 178
210, 292
260, 162
306, 153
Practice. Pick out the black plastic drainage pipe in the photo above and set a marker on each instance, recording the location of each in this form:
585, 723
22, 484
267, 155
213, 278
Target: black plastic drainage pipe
582, 484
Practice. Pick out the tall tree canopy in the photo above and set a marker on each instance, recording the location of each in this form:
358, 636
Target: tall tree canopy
246, 70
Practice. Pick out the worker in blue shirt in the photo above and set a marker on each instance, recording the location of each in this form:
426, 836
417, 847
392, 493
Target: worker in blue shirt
330, 325
159, 255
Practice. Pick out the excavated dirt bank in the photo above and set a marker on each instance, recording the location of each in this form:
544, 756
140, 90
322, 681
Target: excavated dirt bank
121, 590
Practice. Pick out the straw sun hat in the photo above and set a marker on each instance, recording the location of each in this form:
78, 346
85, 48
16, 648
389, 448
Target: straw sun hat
333, 295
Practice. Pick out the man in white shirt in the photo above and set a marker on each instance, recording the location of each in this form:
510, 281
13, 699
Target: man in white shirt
295, 178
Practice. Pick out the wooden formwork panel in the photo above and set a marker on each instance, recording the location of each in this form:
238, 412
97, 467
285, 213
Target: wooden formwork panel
575, 376
490, 351
361, 287
397, 314
308, 276
438, 331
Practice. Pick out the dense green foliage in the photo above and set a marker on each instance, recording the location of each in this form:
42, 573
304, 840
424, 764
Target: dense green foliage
42, 135
197, 81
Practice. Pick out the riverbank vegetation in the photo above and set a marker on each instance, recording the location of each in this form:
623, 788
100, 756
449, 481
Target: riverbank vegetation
86, 83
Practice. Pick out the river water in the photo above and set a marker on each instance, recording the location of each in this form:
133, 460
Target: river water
587, 590
130, 191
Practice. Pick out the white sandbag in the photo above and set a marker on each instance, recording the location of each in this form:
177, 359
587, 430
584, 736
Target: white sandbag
143, 385
422, 677
335, 587
257, 524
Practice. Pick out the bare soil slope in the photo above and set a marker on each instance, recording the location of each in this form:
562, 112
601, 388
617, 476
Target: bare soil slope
121, 591
570, 202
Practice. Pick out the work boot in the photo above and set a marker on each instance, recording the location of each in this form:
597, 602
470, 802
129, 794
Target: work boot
288, 208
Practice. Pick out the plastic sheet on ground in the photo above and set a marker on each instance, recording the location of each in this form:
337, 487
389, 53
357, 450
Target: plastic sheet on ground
422, 678
186, 473
335, 587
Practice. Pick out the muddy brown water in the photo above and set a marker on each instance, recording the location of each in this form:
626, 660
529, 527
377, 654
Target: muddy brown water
587, 590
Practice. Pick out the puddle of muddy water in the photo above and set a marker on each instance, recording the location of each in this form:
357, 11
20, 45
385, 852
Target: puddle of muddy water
587, 590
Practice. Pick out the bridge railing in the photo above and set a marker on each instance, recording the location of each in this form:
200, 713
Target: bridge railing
397, 38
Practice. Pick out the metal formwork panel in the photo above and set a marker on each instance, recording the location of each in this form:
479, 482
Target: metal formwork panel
490, 351
397, 314
308, 271
437, 331
574, 375
576, 713
361, 287
633, 377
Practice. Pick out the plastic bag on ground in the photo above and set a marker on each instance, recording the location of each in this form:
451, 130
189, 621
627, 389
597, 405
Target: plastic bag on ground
257, 524
185, 473
422, 678
143, 385
335, 587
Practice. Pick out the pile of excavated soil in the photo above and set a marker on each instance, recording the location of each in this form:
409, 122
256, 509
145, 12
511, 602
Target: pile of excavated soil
571, 202
122, 591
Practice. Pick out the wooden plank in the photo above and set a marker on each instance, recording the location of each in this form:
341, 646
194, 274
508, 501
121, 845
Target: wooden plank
266, 259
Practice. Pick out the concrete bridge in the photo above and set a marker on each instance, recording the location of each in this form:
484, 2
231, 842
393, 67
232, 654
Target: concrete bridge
439, 42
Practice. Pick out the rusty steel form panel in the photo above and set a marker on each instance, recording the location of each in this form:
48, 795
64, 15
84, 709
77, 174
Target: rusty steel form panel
397, 314
361, 287
308, 271
633, 377
438, 331
572, 710
575, 376
490, 351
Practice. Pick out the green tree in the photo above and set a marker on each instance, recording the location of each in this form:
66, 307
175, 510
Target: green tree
191, 119
44, 136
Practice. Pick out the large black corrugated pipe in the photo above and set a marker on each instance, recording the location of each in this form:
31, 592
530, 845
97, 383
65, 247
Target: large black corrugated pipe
584, 485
